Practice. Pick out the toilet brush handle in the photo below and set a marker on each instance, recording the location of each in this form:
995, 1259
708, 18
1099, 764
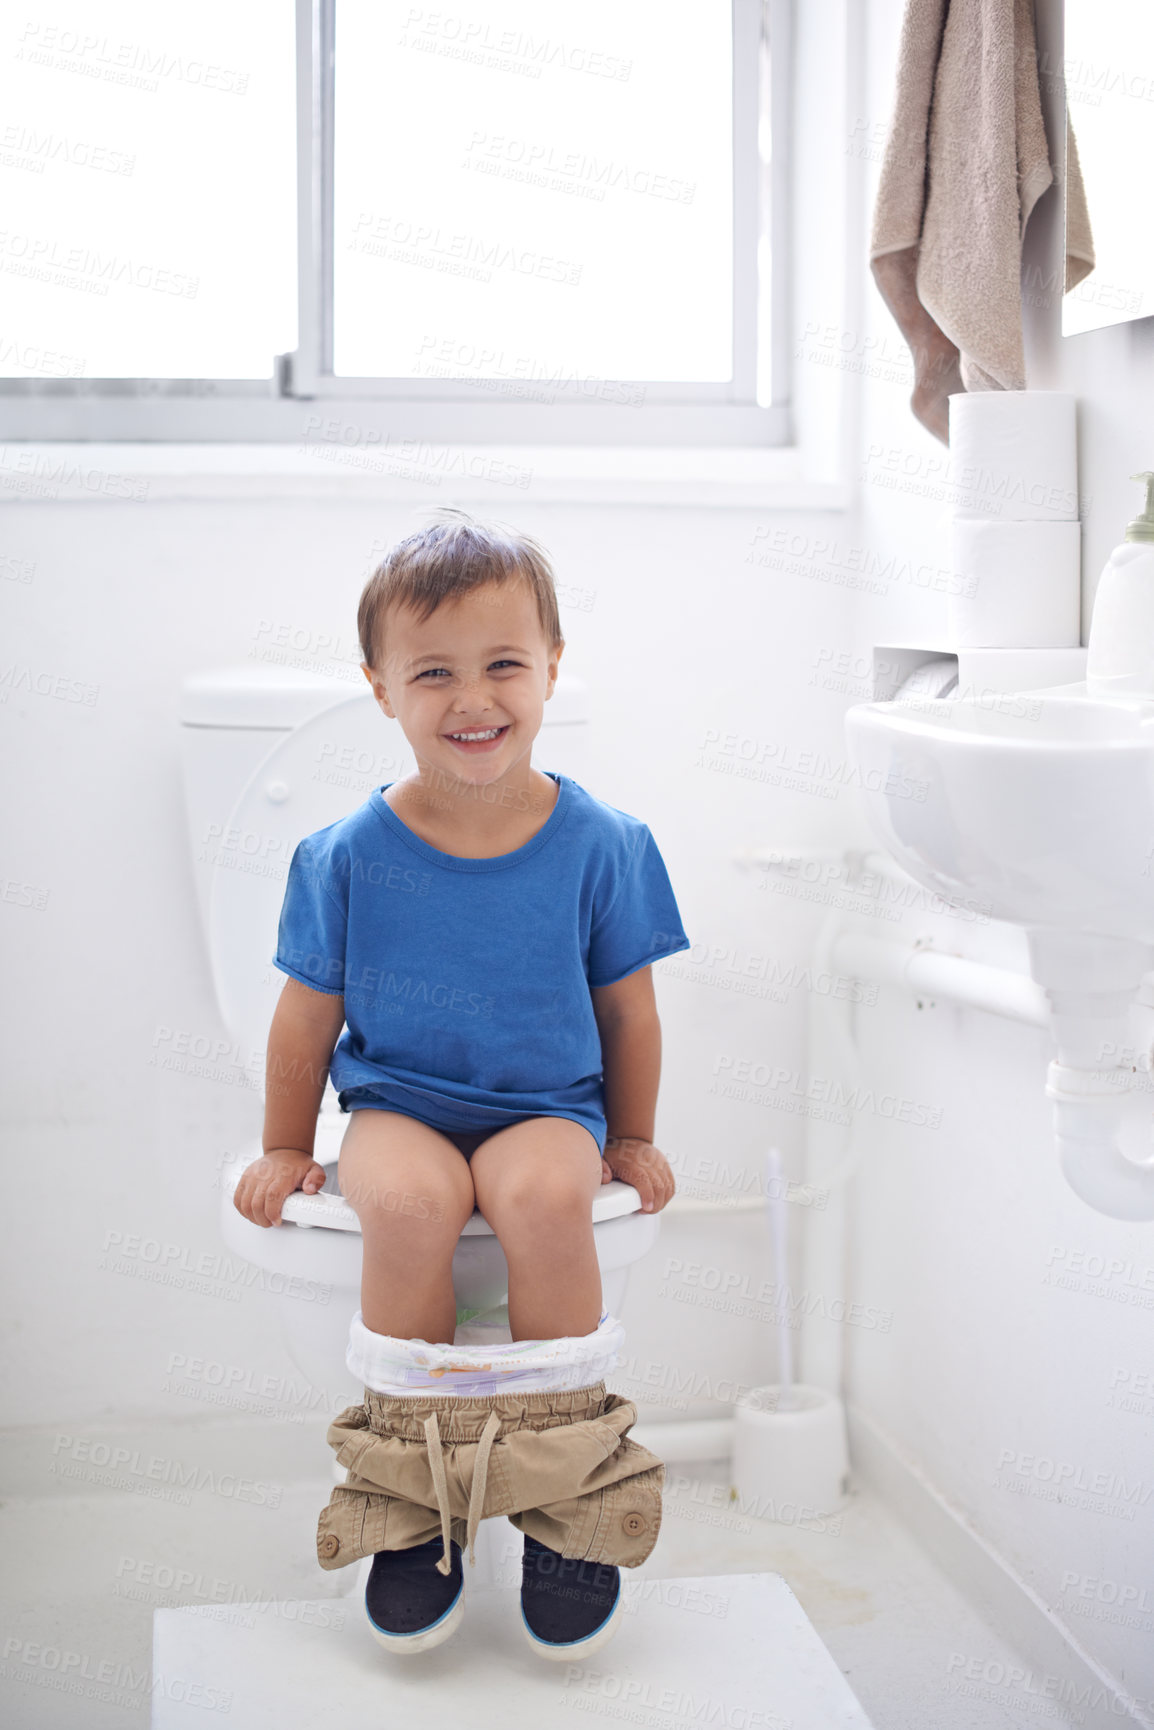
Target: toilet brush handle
776, 1204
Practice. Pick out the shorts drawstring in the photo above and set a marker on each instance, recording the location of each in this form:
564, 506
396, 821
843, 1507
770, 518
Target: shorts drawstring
568, 1474
476, 1488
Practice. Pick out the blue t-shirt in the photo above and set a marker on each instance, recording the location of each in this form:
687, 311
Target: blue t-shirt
466, 982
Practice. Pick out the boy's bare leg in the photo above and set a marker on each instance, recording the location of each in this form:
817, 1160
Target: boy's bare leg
411, 1189
535, 1183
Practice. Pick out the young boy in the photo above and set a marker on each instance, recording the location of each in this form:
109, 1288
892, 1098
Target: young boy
486, 932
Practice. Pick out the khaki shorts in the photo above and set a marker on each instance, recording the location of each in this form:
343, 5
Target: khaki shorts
560, 1466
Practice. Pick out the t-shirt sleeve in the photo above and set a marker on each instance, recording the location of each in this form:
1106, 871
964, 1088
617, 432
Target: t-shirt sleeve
313, 926
641, 922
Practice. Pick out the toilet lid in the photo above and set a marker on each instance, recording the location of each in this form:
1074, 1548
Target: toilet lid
320, 773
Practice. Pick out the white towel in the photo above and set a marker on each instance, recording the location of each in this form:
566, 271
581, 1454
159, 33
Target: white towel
966, 161
395, 1366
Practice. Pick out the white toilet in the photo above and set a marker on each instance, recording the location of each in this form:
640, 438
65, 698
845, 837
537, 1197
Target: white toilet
270, 755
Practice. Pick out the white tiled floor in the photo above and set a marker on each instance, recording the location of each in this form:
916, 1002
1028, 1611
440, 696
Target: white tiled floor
84, 1573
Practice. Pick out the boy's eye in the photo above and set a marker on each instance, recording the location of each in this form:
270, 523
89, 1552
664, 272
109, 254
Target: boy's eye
443, 672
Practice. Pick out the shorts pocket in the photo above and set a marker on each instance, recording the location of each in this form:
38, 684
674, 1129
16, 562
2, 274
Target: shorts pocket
351, 1526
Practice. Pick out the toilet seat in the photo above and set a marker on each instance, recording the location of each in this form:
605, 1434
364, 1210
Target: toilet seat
329, 1210
324, 1262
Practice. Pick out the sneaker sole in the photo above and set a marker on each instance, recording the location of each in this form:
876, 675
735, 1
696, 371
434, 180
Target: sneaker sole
424, 1639
562, 1651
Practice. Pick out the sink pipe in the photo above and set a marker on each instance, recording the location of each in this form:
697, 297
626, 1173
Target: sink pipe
1089, 1099
1091, 983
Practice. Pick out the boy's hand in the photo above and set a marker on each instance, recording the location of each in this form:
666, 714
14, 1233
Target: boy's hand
639, 1163
265, 1183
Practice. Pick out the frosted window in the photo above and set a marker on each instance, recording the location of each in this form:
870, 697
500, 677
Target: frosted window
534, 189
148, 188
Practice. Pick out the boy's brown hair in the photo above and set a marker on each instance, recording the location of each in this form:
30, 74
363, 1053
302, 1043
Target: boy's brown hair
452, 555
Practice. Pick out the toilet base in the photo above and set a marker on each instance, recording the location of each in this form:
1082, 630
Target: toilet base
483, 1327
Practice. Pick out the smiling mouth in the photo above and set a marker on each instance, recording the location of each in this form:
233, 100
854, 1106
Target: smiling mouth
477, 736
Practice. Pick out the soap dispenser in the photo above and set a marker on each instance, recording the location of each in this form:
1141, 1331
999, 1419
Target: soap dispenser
1120, 656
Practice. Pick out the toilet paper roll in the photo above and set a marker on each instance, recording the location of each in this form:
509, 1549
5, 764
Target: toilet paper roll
1018, 585
1013, 455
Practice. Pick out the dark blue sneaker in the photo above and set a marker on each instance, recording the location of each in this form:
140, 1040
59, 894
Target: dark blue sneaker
411, 1607
569, 1608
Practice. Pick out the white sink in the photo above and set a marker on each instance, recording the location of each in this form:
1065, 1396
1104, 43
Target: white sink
1035, 807
1039, 808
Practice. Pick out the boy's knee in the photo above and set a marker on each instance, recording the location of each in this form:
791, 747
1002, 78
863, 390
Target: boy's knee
387, 1205
547, 1199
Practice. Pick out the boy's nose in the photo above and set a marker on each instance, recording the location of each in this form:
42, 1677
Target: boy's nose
471, 690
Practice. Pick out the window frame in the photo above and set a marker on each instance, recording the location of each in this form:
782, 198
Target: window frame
303, 399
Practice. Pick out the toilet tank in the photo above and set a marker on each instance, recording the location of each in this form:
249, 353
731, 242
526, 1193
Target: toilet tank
271, 754
231, 718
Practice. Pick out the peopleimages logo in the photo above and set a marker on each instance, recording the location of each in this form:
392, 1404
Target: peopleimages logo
780, 763
780, 1080
215, 1273
1071, 1483
85, 1457
116, 1682
719, 959
382, 876
652, 1702
970, 1675
371, 986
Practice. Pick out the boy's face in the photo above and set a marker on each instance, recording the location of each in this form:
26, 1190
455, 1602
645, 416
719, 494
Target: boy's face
479, 667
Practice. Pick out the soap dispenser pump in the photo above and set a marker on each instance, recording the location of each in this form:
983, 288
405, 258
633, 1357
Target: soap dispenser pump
1120, 656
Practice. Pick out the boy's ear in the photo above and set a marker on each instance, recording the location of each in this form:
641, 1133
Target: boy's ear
380, 695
